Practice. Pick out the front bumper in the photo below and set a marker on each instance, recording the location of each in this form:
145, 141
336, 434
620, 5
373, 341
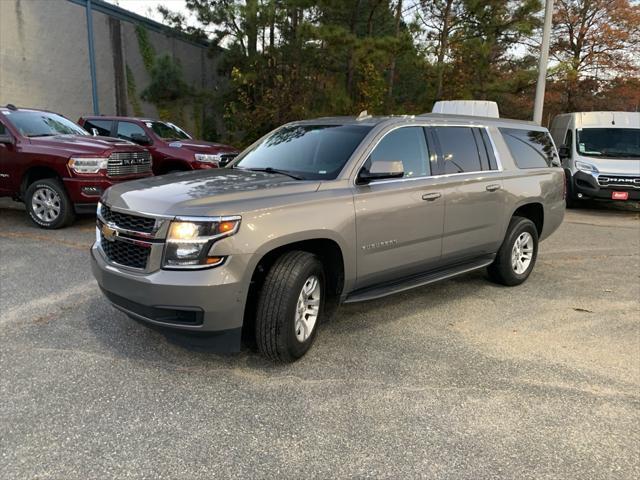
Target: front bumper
88, 190
210, 300
588, 186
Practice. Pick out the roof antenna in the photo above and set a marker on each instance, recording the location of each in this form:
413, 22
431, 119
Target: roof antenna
363, 115
613, 121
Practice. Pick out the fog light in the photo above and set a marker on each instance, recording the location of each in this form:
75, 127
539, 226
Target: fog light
91, 191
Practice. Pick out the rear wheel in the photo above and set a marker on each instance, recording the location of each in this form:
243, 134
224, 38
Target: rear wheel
290, 306
517, 255
48, 204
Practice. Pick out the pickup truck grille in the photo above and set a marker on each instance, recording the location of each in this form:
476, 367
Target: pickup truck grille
618, 181
128, 163
129, 222
123, 253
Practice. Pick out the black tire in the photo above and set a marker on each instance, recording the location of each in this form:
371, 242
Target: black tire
66, 213
501, 270
276, 311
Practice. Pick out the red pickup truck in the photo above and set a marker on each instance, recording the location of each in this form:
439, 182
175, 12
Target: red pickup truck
171, 147
57, 168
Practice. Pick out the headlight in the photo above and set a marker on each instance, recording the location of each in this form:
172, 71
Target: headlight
189, 242
586, 167
88, 164
208, 158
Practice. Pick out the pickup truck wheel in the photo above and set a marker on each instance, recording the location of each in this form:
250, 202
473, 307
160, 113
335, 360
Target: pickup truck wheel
517, 255
48, 204
290, 306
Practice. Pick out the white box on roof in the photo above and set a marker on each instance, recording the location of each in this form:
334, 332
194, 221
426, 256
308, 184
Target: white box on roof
475, 108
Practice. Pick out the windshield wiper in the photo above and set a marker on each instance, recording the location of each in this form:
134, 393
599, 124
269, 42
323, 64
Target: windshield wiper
34, 135
274, 170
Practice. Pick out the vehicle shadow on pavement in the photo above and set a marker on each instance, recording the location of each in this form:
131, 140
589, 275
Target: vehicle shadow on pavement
136, 340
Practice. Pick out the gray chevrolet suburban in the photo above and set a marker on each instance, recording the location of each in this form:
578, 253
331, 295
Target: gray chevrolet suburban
323, 212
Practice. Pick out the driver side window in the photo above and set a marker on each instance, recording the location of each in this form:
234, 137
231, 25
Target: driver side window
132, 132
406, 144
568, 141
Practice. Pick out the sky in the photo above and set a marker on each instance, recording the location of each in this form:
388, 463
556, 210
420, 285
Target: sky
148, 8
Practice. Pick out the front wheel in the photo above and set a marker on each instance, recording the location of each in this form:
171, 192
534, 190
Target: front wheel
48, 204
517, 255
290, 306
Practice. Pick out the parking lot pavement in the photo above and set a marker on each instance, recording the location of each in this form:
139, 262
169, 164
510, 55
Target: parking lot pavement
463, 379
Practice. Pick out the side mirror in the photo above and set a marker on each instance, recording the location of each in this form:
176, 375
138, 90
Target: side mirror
380, 170
564, 152
7, 139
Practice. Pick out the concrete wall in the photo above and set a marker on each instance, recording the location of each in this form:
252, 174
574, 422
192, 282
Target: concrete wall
44, 59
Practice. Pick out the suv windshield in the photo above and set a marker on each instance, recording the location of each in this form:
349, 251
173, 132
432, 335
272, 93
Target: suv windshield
43, 124
309, 152
168, 131
609, 142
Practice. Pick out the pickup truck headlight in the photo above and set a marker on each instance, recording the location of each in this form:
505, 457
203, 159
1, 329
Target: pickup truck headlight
586, 167
88, 164
189, 242
208, 158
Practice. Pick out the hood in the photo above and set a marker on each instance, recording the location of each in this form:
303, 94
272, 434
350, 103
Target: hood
200, 146
83, 144
614, 166
205, 192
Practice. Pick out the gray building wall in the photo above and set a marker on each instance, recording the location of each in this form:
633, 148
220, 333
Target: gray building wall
44, 58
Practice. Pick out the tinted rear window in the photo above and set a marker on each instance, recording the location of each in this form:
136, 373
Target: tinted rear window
459, 149
529, 148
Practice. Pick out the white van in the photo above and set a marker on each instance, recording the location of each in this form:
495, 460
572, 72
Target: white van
600, 152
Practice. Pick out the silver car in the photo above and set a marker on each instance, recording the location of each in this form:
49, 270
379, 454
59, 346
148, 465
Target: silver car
323, 212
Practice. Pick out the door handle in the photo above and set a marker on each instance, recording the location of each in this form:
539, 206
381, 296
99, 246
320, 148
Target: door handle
430, 197
493, 187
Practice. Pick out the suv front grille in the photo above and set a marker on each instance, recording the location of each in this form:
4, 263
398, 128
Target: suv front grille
124, 253
128, 163
129, 222
618, 181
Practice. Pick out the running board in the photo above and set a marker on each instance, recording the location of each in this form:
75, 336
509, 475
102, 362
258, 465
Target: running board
397, 286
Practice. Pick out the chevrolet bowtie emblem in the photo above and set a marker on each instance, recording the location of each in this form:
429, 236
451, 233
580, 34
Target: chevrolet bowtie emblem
109, 233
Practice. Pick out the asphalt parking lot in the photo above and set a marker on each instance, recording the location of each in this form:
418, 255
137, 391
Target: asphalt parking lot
463, 379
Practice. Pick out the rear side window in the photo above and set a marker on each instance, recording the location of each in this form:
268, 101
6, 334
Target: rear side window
3, 130
407, 144
102, 127
459, 149
529, 148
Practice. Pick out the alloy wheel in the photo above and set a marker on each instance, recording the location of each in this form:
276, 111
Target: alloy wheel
307, 308
522, 253
46, 204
